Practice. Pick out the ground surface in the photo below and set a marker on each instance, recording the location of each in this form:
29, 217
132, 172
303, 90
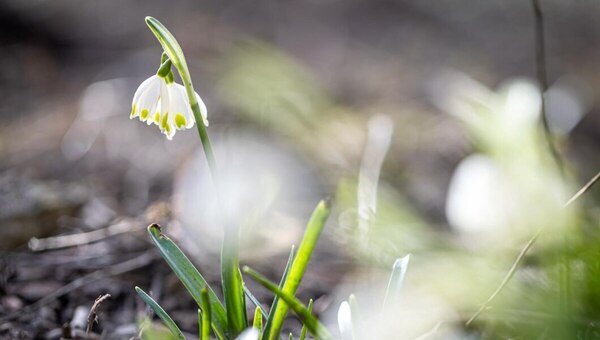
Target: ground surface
89, 174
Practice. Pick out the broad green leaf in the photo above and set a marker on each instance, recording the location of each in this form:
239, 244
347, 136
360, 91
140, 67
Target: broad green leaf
190, 277
310, 321
299, 264
161, 314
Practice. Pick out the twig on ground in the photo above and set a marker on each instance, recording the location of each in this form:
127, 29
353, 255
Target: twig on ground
93, 316
66, 241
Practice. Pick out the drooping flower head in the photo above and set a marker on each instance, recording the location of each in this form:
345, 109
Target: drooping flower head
161, 101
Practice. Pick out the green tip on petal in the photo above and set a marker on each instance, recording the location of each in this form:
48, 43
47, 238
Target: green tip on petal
165, 123
144, 114
133, 113
180, 120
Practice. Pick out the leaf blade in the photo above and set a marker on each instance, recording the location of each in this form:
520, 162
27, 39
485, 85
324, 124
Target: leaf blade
292, 281
189, 276
162, 314
312, 324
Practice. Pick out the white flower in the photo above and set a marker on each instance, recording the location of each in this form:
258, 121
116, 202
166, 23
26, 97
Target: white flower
166, 105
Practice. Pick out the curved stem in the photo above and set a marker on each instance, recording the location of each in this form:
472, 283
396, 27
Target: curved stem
175, 54
232, 282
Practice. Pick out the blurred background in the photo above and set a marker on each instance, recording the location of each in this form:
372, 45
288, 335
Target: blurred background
421, 119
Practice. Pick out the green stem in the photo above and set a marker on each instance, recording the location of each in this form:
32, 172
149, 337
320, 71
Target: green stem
232, 282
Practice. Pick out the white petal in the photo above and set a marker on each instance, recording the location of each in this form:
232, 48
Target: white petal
203, 110
148, 98
155, 114
182, 112
135, 110
166, 125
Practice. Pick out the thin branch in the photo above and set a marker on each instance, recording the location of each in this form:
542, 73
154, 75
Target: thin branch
542, 77
585, 188
93, 316
506, 279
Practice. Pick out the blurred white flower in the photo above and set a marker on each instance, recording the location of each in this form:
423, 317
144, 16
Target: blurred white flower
479, 198
165, 104
512, 186
249, 334
345, 321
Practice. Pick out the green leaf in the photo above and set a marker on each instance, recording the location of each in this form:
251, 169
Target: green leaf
257, 322
299, 264
281, 283
232, 283
152, 331
255, 302
310, 321
304, 329
161, 313
190, 277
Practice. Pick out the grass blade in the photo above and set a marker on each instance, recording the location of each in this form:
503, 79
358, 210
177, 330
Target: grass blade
206, 314
190, 277
299, 264
310, 321
200, 326
281, 283
161, 313
255, 301
233, 285
304, 329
